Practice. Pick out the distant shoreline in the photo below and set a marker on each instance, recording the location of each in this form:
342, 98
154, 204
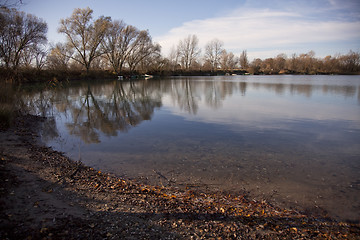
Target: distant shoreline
29, 76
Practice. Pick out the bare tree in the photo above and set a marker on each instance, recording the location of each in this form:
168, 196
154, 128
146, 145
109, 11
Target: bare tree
173, 59
228, 61
350, 62
268, 66
18, 33
213, 50
60, 56
10, 3
329, 64
244, 62
188, 51
305, 62
141, 49
292, 63
40, 55
153, 63
255, 66
34, 56
118, 43
84, 35
280, 62
27, 57
232, 61
112, 45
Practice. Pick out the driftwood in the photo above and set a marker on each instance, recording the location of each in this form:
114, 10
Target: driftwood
71, 175
163, 177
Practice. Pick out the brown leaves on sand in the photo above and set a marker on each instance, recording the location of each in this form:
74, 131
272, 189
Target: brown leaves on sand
230, 216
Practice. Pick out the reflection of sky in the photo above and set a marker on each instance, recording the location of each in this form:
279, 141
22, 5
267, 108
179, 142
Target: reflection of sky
296, 111
237, 130
263, 108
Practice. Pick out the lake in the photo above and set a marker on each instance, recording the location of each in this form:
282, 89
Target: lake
291, 140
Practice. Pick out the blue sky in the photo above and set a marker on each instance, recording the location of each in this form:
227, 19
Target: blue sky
264, 28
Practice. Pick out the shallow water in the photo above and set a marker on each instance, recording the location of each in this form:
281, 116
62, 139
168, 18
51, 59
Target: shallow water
293, 140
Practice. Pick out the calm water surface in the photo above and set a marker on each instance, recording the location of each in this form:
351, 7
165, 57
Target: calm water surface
293, 140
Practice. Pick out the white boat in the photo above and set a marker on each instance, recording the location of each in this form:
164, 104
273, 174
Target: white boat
147, 76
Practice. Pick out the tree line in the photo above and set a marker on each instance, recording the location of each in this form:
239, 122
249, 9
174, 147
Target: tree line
112, 46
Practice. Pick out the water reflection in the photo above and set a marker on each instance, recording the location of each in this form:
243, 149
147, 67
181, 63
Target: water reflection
305, 89
106, 108
298, 135
115, 108
90, 110
183, 93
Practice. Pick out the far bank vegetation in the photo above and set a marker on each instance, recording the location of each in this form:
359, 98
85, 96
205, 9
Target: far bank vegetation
106, 48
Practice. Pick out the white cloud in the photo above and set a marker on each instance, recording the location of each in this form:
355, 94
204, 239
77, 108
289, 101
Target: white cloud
264, 31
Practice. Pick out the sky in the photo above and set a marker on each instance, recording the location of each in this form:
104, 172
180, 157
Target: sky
264, 28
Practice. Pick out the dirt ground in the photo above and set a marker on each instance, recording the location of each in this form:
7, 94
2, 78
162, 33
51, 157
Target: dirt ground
45, 195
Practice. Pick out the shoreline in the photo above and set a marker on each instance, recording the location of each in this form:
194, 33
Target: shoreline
47, 195
52, 76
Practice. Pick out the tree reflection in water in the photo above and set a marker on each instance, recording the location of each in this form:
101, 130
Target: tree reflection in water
260, 132
117, 110
90, 110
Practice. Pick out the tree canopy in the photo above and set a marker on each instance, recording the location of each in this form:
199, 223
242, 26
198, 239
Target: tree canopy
84, 35
19, 33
